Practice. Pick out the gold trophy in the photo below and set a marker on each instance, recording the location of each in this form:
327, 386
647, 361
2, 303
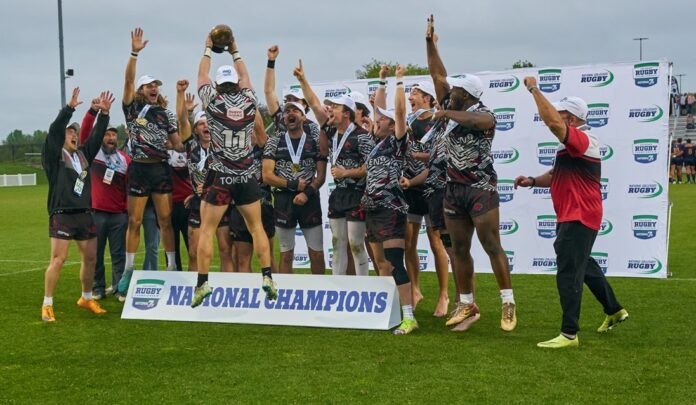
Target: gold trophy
221, 35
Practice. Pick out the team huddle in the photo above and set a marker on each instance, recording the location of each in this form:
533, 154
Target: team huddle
393, 171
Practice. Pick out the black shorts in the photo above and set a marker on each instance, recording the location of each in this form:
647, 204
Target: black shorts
690, 162
146, 178
462, 201
72, 226
225, 189
194, 219
417, 204
436, 211
384, 224
345, 203
238, 228
677, 162
288, 215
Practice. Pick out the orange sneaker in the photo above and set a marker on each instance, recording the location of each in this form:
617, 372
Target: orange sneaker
91, 305
47, 313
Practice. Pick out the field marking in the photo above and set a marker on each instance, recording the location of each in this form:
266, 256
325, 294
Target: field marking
680, 279
36, 269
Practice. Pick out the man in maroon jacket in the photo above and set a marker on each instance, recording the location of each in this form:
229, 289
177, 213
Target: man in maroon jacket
109, 196
577, 200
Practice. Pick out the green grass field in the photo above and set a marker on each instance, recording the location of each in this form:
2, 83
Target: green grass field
85, 358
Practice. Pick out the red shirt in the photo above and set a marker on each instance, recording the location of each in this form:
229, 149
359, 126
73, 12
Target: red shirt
180, 176
576, 181
110, 196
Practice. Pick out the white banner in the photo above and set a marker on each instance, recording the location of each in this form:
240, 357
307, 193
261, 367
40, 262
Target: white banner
628, 110
303, 300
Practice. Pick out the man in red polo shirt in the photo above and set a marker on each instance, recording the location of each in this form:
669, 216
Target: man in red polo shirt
577, 200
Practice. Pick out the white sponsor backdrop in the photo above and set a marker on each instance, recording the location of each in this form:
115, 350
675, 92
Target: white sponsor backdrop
303, 300
628, 112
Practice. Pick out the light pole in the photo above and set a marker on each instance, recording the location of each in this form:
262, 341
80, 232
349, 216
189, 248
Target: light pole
680, 76
641, 39
60, 50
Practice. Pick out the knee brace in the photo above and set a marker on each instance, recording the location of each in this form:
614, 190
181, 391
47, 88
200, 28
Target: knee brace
396, 258
314, 237
446, 240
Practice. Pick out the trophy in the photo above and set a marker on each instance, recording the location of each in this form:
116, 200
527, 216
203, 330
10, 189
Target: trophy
221, 35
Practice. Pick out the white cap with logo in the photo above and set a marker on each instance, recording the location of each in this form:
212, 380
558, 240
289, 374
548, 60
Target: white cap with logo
294, 92
199, 116
342, 100
360, 98
471, 83
387, 113
574, 105
146, 79
426, 87
226, 74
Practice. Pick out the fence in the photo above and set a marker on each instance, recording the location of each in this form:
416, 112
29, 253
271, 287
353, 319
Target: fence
10, 180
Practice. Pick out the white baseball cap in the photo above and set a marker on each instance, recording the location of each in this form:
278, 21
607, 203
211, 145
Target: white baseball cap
226, 74
471, 83
342, 100
387, 113
360, 98
426, 87
295, 104
295, 92
147, 79
574, 105
199, 116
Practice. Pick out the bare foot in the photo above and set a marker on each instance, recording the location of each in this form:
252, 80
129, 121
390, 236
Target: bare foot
417, 297
441, 308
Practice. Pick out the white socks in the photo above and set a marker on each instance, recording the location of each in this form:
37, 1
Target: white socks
130, 258
48, 301
466, 299
87, 295
171, 260
408, 311
507, 297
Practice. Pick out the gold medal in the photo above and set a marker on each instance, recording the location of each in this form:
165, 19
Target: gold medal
295, 167
141, 121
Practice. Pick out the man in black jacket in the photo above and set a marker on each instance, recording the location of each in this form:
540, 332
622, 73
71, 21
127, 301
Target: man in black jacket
69, 199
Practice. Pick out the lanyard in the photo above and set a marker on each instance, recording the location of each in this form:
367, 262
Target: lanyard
75, 159
338, 146
144, 111
374, 150
295, 154
203, 157
414, 116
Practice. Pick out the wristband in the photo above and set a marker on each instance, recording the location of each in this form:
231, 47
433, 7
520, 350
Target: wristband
399, 83
382, 84
309, 190
208, 52
533, 181
270, 64
530, 89
134, 55
235, 56
292, 185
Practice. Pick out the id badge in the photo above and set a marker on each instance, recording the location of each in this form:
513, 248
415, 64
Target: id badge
79, 185
109, 176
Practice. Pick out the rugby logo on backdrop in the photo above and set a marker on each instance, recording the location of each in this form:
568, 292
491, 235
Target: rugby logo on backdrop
511, 259
602, 259
336, 92
301, 259
549, 80
508, 227
644, 226
147, 293
542, 192
605, 227
606, 152
646, 74
372, 86
506, 190
545, 264
604, 187
646, 190
505, 156
546, 153
597, 79
546, 226
643, 266
646, 114
597, 114
645, 150
505, 85
422, 259
504, 118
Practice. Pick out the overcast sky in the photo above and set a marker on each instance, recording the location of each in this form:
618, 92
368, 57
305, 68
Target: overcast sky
334, 38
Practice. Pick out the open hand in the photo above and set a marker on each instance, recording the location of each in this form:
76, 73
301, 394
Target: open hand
137, 42
74, 102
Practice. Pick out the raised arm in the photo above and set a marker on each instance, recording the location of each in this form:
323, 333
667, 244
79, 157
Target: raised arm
56, 132
381, 92
204, 65
435, 65
239, 66
91, 147
269, 82
88, 121
400, 104
476, 120
547, 112
311, 97
259, 130
137, 44
182, 116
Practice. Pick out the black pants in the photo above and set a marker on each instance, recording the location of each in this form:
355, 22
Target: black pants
573, 247
111, 227
180, 216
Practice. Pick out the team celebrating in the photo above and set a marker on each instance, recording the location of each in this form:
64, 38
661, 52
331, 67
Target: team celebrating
217, 173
